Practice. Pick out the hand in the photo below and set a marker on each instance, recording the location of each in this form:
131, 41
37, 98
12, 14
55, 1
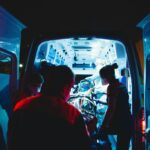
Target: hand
102, 134
104, 126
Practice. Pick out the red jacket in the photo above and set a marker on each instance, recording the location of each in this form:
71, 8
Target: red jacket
41, 122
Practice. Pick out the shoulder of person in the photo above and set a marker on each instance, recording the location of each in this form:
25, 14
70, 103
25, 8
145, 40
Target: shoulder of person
73, 108
122, 91
122, 87
24, 103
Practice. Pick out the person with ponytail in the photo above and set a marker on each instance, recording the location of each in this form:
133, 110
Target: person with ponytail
118, 118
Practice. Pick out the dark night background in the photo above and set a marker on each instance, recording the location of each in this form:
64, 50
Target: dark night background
76, 15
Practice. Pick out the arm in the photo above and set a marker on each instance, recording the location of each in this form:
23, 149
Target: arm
82, 137
109, 115
106, 118
112, 110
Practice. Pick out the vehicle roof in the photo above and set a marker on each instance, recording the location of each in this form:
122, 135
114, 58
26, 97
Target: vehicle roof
78, 16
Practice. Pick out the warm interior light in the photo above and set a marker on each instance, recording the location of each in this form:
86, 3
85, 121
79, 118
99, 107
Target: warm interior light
143, 126
20, 65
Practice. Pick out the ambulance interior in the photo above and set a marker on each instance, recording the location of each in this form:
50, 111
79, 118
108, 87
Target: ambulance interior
85, 56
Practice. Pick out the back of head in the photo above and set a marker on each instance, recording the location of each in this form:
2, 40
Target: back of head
35, 79
56, 79
108, 71
123, 72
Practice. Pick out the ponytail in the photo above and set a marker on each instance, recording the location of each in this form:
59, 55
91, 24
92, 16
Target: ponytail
114, 66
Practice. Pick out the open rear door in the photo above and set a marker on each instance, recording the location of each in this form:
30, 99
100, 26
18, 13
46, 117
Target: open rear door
8, 78
8, 87
145, 25
31, 42
147, 102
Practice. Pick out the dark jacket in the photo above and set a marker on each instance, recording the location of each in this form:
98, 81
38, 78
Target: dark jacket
44, 123
118, 113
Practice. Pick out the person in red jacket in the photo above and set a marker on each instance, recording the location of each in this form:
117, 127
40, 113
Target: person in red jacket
118, 119
47, 121
32, 88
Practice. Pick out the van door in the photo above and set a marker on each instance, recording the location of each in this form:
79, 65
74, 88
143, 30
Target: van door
145, 25
8, 86
8, 78
146, 40
147, 102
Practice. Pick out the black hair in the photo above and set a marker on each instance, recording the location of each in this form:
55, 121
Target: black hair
35, 78
56, 79
108, 71
125, 71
